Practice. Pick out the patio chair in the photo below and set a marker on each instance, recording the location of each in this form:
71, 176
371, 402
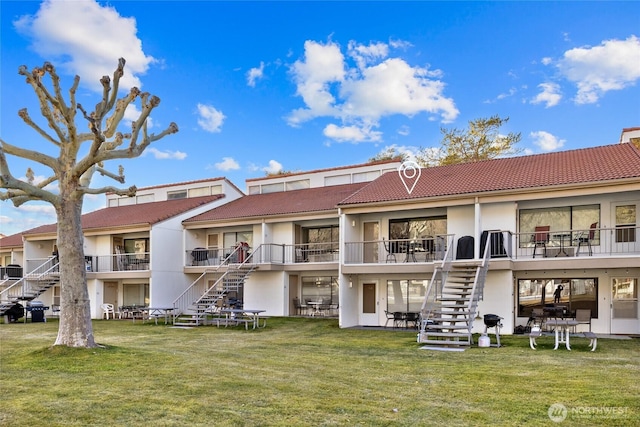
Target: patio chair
411, 319
585, 237
540, 238
398, 319
390, 253
389, 317
108, 310
583, 316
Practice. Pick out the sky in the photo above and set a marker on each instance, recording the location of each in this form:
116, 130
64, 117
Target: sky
265, 87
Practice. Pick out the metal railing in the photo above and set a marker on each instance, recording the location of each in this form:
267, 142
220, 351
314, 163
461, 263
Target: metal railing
118, 262
30, 284
610, 241
266, 253
428, 249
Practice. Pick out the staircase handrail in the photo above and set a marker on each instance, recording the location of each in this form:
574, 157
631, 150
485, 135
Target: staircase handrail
44, 269
439, 273
188, 297
477, 291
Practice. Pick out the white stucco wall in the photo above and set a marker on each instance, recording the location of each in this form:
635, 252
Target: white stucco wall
267, 290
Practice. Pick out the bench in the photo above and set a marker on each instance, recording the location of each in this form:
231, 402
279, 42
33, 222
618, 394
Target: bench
234, 321
593, 343
532, 338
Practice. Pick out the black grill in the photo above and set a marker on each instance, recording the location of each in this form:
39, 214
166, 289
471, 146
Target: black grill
491, 320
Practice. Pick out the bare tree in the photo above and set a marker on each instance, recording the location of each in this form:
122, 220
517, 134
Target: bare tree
481, 141
71, 176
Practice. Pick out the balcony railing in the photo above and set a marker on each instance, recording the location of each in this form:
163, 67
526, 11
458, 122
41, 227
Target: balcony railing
616, 241
268, 253
428, 249
117, 262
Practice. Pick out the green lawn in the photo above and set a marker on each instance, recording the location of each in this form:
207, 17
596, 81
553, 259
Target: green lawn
306, 372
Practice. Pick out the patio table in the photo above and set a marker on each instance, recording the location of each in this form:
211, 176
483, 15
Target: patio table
237, 314
561, 327
156, 312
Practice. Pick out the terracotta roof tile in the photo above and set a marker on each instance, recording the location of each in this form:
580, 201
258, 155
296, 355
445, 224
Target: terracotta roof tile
605, 163
140, 214
281, 203
13, 240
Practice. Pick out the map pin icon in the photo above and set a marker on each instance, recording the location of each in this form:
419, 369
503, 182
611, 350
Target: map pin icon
409, 172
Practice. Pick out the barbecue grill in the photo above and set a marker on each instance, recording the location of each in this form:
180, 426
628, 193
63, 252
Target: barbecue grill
493, 321
37, 309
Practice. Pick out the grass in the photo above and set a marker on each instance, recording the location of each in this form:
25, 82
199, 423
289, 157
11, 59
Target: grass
306, 372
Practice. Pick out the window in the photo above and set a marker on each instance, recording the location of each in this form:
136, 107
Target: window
329, 234
298, 185
272, 188
200, 191
564, 218
230, 240
139, 247
574, 294
135, 294
322, 289
625, 223
406, 295
417, 228
182, 194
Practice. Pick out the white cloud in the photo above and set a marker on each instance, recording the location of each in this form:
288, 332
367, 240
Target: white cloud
352, 133
274, 167
404, 130
210, 119
549, 95
374, 87
255, 74
163, 155
227, 164
613, 65
132, 113
364, 55
86, 39
547, 141
547, 60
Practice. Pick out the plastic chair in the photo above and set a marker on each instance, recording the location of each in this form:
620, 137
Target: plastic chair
540, 238
108, 310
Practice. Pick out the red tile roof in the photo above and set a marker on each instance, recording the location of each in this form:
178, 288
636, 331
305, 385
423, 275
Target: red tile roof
308, 200
13, 240
140, 214
575, 167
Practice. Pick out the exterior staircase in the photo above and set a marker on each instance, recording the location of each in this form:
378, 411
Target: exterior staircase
200, 300
451, 303
29, 287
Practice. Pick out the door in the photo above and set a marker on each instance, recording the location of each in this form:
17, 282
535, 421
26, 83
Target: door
369, 305
110, 295
624, 306
371, 237
293, 293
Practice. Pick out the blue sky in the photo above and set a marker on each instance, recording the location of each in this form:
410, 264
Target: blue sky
258, 87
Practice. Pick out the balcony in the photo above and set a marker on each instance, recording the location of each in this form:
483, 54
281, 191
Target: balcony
268, 253
139, 261
555, 244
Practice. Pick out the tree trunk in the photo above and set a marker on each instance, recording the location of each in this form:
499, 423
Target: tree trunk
76, 329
